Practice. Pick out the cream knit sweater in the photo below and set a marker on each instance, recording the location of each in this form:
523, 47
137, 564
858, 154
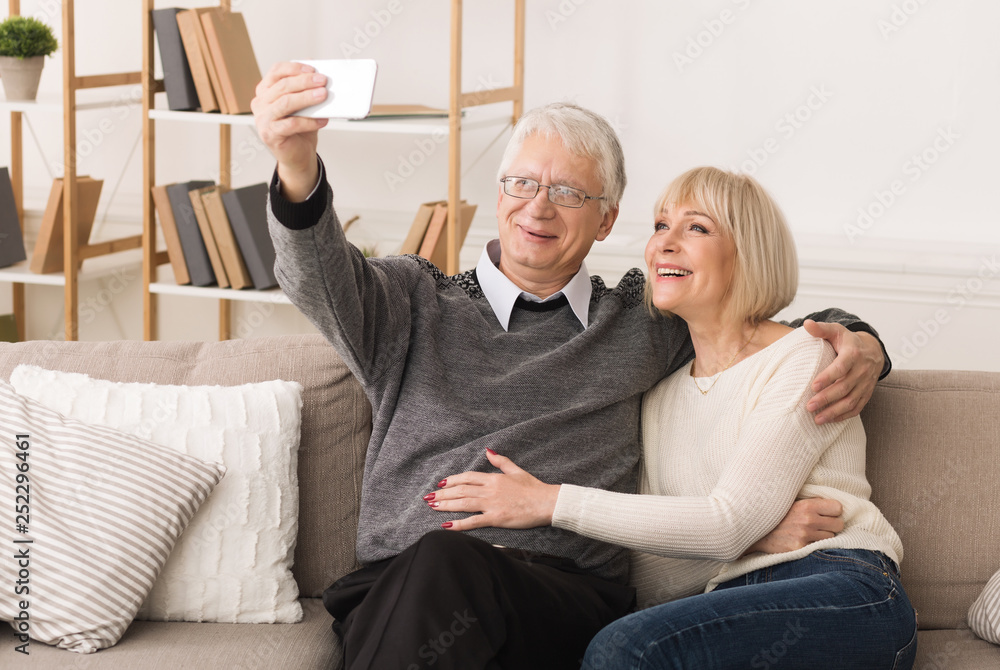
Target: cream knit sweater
722, 469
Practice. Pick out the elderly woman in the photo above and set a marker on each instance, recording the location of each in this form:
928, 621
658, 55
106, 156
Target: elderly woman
728, 446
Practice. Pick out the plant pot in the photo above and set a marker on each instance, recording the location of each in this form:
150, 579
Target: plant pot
20, 77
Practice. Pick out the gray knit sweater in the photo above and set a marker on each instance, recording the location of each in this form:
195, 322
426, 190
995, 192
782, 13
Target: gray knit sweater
446, 381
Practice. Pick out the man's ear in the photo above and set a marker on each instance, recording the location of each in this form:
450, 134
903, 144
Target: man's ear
607, 223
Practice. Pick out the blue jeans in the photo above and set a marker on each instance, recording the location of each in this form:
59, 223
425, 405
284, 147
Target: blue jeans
838, 608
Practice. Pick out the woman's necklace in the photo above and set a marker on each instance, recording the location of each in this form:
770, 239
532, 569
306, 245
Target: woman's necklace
719, 374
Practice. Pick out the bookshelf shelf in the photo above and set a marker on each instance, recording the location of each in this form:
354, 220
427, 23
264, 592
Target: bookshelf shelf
465, 111
272, 295
414, 126
50, 103
97, 268
95, 92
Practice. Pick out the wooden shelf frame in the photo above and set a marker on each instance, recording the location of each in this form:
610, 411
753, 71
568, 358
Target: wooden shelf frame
74, 251
458, 102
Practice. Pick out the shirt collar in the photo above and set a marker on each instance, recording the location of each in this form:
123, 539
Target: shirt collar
502, 293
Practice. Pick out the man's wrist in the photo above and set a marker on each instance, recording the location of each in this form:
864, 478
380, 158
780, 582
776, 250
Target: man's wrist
297, 185
861, 327
304, 214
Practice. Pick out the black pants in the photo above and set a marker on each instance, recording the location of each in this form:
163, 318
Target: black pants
451, 601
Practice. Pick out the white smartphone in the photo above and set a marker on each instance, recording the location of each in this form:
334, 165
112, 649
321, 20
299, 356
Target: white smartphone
350, 84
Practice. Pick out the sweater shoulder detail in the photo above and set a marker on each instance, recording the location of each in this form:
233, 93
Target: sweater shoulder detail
630, 290
466, 281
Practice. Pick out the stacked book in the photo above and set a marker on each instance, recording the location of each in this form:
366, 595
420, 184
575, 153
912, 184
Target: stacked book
427, 236
217, 236
208, 61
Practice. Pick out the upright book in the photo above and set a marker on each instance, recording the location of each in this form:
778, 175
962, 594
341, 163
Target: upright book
439, 255
229, 252
207, 236
418, 228
199, 60
11, 240
175, 252
177, 78
231, 50
48, 254
199, 267
247, 211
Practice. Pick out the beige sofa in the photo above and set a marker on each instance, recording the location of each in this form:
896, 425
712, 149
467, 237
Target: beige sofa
933, 462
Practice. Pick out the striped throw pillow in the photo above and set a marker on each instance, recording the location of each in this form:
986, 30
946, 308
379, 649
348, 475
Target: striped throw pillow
233, 563
984, 615
92, 514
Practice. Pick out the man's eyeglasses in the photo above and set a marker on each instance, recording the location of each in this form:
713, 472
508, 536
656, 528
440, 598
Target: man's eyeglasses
564, 196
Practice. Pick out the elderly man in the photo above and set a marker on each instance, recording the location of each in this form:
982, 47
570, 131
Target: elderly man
526, 355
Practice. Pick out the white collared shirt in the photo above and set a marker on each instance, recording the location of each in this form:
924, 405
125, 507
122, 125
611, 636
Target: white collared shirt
502, 293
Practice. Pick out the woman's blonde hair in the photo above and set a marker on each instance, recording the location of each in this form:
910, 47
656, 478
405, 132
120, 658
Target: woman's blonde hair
766, 273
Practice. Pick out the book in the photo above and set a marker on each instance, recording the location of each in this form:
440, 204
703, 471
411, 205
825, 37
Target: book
418, 228
439, 256
405, 111
247, 211
199, 266
48, 254
177, 78
11, 239
229, 251
235, 63
199, 61
207, 236
175, 252
434, 229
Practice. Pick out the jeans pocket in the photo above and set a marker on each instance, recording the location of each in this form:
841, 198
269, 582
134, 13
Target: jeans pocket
907, 655
859, 558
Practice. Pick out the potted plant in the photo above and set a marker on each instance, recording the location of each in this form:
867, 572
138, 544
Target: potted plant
24, 43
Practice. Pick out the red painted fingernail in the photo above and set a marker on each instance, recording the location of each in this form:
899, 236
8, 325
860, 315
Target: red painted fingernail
430, 496
491, 451
446, 524
442, 483
433, 504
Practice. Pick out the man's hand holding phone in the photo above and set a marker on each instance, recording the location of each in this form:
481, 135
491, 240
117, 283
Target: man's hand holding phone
284, 90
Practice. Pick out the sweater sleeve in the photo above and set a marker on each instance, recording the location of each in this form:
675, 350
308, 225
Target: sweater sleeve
777, 448
361, 306
853, 324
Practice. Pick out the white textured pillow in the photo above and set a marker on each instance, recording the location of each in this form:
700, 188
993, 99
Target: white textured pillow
99, 514
233, 563
984, 615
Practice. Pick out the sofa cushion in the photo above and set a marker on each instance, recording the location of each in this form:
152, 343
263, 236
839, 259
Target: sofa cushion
233, 562
933, 464
954, 650
157, 645
98, 512
336, 420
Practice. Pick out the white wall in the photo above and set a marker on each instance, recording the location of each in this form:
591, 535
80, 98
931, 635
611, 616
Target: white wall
871, 121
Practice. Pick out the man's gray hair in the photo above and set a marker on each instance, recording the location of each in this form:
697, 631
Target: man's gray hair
583, 133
